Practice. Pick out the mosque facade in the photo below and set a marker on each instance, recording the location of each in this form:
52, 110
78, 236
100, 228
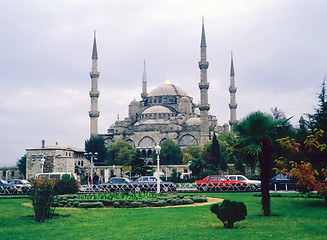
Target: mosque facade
166, 112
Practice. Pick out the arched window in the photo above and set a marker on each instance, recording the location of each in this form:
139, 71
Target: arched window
187, 140
131, 142
147, 142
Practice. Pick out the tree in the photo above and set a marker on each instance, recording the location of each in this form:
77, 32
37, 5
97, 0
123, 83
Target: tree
186, 158
302, 170
170, 154
318, 120
215, 151
97, 144
194, 151
277, 113
197, 166
258, 133
120, 153
139, 167
21, 164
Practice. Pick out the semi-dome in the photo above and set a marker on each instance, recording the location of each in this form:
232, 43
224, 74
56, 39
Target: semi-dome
157, 109
193, 121
167, 89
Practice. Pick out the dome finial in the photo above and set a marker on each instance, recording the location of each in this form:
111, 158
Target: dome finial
167, 79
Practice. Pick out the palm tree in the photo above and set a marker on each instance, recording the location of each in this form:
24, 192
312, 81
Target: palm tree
258, 133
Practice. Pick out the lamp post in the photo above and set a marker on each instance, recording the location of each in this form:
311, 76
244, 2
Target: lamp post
92, 156
35, 158
158, 148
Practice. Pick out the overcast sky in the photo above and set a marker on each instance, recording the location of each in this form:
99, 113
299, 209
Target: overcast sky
279, 49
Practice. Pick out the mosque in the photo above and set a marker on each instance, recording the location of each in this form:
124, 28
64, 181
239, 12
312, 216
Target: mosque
166, 112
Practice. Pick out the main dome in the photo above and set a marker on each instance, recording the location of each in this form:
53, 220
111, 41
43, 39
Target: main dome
167, 89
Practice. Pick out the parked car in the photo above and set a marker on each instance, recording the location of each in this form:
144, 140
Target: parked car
219, 183
20, 186
282, 182
255, 183
5, 188
4, 183
116, 184
19, 183
149, 184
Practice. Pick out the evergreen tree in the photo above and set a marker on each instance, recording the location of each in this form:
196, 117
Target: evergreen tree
97, 144
318, 120
215, 152
21, 164
138, 164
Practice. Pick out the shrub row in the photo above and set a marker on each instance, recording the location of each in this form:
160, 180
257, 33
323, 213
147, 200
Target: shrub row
169, 200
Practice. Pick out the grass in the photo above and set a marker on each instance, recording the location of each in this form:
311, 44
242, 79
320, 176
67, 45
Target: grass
292, 218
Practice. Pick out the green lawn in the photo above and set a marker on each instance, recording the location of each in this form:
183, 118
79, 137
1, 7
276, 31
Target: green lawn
292, 218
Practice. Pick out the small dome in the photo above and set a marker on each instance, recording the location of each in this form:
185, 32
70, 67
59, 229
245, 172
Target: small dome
167, 89
193, 121
134, 103
157, 109
185, 99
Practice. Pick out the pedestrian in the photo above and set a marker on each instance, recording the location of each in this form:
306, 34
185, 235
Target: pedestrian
87, 179
95, 179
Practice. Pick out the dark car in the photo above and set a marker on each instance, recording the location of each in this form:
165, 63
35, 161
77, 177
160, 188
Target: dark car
149, 184
282, 182
5, 188
116, 184
219, 183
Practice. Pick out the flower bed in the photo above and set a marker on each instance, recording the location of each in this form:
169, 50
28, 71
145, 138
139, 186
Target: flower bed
126, 200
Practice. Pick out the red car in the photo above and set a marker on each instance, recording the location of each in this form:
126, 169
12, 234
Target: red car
219, 183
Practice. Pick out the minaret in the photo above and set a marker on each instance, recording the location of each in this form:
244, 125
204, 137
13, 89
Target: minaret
232, 91
144, 93
94, 93
204, 86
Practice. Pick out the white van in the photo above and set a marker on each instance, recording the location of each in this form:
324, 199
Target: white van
54, 175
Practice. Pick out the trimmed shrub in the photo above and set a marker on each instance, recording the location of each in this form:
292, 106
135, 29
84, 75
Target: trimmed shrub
116, 204
90, 205
186, 201
136, 204
229, 212
66, 185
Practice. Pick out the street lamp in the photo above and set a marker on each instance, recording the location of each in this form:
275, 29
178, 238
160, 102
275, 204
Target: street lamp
35, 158
158, 148
92, 156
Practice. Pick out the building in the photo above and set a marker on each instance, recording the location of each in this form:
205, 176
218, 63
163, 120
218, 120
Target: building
167, 112
54, 158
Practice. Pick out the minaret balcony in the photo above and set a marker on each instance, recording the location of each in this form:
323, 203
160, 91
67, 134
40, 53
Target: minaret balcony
203, 64
204, 107
233, 105
94, 74
203, 85
94, 114
232, 89
94, 94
